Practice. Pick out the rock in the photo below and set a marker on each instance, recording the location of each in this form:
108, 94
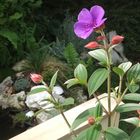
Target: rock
13, 101
44, 116
37, 100
6, 86
29, 114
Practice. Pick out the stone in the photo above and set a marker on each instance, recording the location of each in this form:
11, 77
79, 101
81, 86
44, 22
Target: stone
6, 85
13, 101
44, 116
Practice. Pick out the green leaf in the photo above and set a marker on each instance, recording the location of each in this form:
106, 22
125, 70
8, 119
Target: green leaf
53, 80
71, 82
37, 90
133, 87
118, 71
135, 134
95, 112
16, 16
100, 55
91, 133
132, 97
68, 101
94, 132
112, 133
134, 120
80, 73
134, 73
11, 36
71, 55
125, 66
128, 107
96, 80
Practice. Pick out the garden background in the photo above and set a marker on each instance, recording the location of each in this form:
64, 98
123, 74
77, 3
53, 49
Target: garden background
41, 31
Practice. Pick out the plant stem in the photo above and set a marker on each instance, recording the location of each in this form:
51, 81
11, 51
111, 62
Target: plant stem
61, 111
68, 124
108, 79
101, 103
120, 86
109, 90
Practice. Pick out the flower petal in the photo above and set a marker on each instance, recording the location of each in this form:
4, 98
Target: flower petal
83, 30
99, 23
97, 12
85, 16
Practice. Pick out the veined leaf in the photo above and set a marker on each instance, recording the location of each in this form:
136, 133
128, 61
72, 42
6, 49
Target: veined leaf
134, 120
134, 73
96, 80
68, 101
128, 107
118, 71
100, 55
135, 134
133, 87
112, 133
95, 112
53, 80
132, 97
71, 82
80, 73
125, 66
37, 90
91, 133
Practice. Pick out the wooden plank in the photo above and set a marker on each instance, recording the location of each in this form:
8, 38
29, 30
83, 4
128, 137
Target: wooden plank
56, 127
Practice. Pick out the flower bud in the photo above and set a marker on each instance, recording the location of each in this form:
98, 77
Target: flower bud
117, 39
91, 120
92, 45
36, 78
100, 38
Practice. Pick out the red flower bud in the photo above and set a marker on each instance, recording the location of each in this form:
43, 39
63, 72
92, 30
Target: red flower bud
36, 78
117, 39
92, 45
91, 120
100, 38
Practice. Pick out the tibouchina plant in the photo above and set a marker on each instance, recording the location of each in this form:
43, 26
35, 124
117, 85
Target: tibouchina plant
129, 78
90, 21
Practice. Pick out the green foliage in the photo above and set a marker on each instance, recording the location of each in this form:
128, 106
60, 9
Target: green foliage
95, 112
127, 107
133, 75
71, 55
135, 134
134, 120
132, 97
80, 73
112, 133
21, 84
100, 55
14, 28
68, 101
19, 118
91, 133
96, 80
53, 81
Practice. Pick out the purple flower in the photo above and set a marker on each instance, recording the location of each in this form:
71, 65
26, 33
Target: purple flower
88, 21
